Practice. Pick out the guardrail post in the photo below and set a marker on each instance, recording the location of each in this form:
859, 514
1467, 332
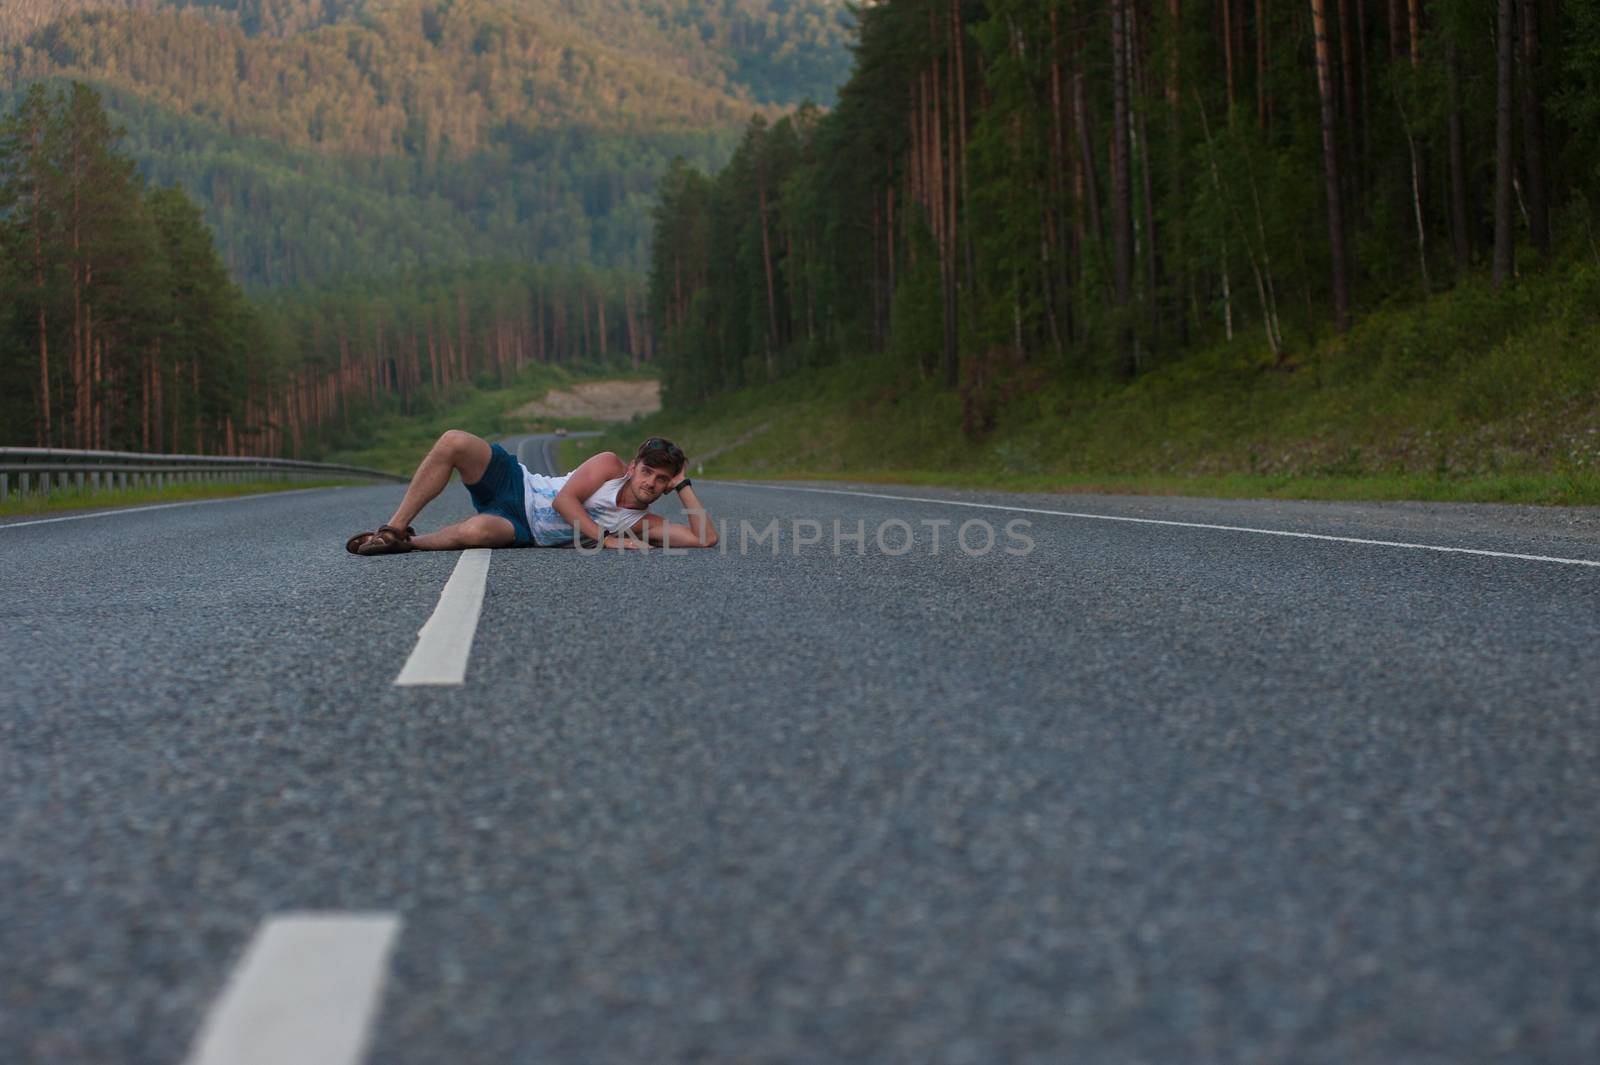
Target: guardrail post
5, 487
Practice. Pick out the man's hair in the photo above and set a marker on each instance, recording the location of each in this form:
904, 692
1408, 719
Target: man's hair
660, 453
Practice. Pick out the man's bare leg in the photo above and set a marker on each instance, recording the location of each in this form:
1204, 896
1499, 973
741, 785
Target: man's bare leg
480, 530
454, 451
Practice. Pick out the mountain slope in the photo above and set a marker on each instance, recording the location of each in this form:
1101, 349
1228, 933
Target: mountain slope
330, 137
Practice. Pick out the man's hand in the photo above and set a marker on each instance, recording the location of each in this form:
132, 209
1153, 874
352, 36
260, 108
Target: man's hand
624, 542
613, 541
700, 532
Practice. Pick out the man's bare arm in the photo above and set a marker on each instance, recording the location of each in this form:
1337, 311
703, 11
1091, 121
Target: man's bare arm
585, 482
700, 532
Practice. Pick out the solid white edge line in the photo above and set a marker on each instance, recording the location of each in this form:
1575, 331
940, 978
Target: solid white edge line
165, 506
1181, 524
305, 992
444, 643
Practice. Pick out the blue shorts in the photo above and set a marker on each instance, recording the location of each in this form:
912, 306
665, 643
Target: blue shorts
499, 492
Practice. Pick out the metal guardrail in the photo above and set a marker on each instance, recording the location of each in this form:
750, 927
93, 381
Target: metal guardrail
43, 470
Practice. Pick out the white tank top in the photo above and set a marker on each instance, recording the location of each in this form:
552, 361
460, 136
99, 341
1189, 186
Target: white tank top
551, 529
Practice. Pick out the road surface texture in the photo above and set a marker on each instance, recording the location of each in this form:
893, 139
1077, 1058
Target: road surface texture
1143, 793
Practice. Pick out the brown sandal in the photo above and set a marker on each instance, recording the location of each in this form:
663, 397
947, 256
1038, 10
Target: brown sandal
386, 541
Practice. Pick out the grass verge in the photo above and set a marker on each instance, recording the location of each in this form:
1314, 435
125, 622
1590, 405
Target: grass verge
1473, 396
65, 500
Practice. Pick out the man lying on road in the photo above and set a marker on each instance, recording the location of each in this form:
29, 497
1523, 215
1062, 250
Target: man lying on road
602, 501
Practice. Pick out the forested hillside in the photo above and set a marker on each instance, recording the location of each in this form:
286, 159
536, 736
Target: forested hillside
120, 327
406, 196
330, 138
1019, 192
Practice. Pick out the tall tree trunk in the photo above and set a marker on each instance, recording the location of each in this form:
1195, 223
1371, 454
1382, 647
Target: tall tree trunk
1416, 202
1121, 186
86, 401
1504, 235
1091, 183
1055, 257
952, 364
882, 261
1152, 260
888, 225
1361, 67
633, 332
77, 319
102, 421
155, 383
946, 244
344, 368
1175, 186
958, 32
1416, 156
766, 262
1347, 78
1533, 132
1228, 17
44, 342
1349, 107
1261, 64
1460, 237
1330, 160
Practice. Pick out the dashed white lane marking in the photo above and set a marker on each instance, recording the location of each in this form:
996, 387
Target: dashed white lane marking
305, 992
165, 506
1160, 521
445, 642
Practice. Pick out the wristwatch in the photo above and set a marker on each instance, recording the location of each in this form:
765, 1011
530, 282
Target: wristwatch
681, 485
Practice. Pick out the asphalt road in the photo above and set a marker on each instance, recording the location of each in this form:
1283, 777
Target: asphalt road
1143, 793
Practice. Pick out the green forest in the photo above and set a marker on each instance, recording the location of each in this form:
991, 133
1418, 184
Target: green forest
1234, 236
1011, 194
123, 330
253, 225
324, 136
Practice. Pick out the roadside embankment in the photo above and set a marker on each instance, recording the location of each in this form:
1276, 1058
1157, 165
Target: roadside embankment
1471, 396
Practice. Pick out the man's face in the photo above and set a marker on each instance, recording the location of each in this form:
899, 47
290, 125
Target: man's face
649, 482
